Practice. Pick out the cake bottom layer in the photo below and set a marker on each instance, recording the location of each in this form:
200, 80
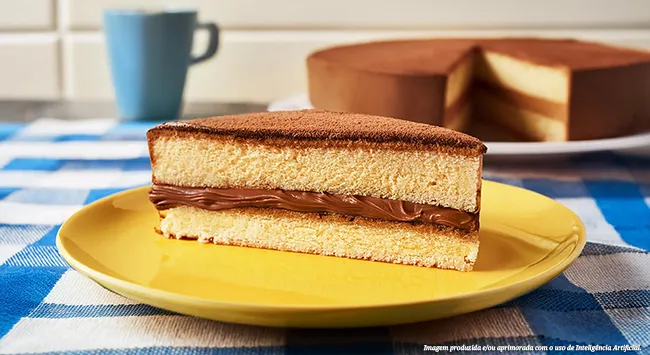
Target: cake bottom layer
526, 124
332, 235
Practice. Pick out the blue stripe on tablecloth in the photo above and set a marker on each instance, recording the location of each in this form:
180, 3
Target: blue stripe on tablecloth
263, 350
51, 310
624, 299
591, 327
49, 238
547, 299
623, 206
48, 164
23, 289
7, 130
40, 164
77, 137
6, 191
561, 283
37, 256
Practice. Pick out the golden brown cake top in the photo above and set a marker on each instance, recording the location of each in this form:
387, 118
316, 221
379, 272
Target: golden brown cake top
439, 56
326, 125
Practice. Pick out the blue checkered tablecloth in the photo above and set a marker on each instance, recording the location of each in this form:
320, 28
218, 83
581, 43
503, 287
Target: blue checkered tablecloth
51, 168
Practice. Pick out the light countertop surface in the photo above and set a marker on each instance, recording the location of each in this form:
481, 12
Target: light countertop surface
27, 111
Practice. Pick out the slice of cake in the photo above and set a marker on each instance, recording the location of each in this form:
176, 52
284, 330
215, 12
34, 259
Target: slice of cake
327, 183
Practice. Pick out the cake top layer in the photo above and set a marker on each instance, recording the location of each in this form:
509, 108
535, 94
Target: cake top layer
438, 56
574, 54
326, 125
408, 57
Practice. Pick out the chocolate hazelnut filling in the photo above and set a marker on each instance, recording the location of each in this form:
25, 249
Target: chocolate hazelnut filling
214, 199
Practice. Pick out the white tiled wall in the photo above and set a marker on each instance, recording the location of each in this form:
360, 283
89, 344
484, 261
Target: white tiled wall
430, 14
54, 49
29, 66
26, 15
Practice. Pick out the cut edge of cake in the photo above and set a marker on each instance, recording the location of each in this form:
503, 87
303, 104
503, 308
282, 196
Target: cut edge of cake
249, 152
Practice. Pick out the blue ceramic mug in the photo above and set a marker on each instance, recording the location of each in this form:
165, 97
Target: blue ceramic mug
149, 54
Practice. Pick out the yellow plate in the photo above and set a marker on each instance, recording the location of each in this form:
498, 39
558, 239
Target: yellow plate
526, 240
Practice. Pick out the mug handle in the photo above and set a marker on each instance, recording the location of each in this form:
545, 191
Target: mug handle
213, 44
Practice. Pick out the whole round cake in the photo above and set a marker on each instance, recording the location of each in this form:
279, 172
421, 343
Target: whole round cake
532, 89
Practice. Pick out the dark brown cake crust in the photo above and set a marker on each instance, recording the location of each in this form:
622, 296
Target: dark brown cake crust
325, 125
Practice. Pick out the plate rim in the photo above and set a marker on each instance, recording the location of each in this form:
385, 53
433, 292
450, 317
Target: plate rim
507, 149
101, 278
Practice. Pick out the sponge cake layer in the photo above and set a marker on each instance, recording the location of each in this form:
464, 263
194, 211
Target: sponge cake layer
413, 244
543, 82
358, 168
